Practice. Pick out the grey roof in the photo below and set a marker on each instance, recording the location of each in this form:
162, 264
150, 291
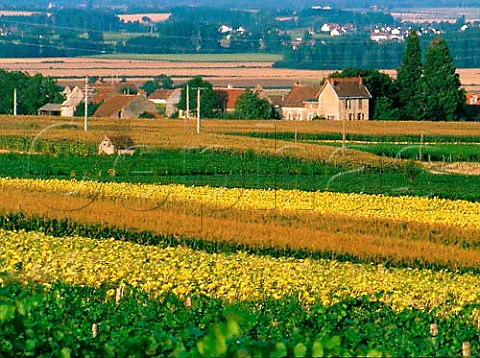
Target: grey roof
51, 107
351, 87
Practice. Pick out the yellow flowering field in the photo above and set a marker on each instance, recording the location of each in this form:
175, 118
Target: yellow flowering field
405, 208
239, 276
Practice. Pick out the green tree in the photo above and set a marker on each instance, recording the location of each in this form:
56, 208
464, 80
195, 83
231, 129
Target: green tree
250, 106
409, 74
208, 98
385, 110
32, 92
161, 81
443, 99
38, 91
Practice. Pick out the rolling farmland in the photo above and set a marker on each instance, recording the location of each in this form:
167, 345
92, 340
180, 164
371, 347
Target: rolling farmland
252, 238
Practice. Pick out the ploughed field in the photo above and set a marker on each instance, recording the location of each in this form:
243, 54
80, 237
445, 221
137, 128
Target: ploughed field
252, 238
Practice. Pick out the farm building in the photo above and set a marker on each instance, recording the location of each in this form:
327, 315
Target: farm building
344, 99
121, 144
67, 108
301, 102
167, 99
337, 99
50, 109
226, 98
126, 106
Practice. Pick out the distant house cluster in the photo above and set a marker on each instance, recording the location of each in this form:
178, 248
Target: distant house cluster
335, 99
387, 33
337, 29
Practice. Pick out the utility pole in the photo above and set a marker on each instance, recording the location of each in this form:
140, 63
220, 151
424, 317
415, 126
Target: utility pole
188, 102
199, 89
198, 109
15, 102
86, 104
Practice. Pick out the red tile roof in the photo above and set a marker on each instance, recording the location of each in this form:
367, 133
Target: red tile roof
113, 105
103, 91
299, 94
228, 96
161, 93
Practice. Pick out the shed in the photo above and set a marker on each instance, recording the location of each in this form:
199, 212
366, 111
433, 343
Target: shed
50, 109
121, 144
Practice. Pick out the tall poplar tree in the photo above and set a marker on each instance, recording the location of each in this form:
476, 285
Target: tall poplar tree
409, 74
443, 97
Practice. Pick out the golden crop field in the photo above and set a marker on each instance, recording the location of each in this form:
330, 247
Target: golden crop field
403, 229
175, 133
183, 271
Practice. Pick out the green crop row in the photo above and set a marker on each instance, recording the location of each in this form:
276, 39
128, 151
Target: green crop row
430, 152
247, 170
428, 148
51, 147
399, 138
67, 321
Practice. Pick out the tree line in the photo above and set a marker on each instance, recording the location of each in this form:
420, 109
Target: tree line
32, 92
361, 51
78, 32
427, 87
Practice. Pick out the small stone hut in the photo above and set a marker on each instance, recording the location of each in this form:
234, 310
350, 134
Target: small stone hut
122, 144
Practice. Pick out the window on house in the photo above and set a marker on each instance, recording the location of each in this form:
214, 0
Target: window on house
360, 104
350, 116
310, 116
289, 116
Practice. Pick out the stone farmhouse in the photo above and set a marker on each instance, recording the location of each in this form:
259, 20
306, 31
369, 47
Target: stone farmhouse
337, 99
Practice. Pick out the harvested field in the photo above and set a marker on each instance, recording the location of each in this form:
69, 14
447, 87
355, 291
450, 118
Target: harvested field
72, 71
450, 14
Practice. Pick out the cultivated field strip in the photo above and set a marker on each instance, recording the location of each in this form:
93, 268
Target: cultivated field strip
240, 276
198, 214
460, 213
